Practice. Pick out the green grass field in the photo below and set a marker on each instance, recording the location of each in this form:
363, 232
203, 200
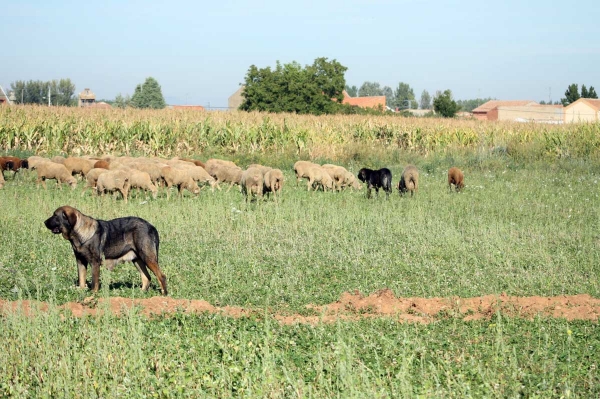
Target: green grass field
523, 229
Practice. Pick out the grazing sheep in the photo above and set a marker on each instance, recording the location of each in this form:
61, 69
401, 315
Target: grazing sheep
5, 164
153, 169
273, 182
252, 183
381, 178
1, 180
456, 177
113, 180
409, 181
195, 162
80, 166
212, 163
317, 176
51, 170
227, 174
34, 161
102, 164
337, 174
300, 169
141, 180
263, 169
180, 178
58, 159
350, 181
200, 176
92, 179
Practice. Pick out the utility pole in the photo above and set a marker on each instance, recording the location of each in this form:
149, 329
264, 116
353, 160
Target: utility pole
48, 95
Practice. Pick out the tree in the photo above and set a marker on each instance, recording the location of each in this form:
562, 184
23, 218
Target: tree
122, 102
291, 88
352, 91
36, 92
571, 95
425, 100
148, 95
404, 97
592, 93
470, 105
584, 92
389, 94
370, 89
444, 105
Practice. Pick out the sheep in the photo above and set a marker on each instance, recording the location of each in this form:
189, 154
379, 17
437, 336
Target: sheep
227, 174
456, 177
113, 180
58, 159
2, 181
153, 169
300, 169
92, 179
337, 174
77, 165
34, 161
195, 162
213, 163
51, 170
102, 164
141, 180
273, 182
252, 183
200, 176
317, 176
179, 178
13, 163
409, 181
263, 169
350, 181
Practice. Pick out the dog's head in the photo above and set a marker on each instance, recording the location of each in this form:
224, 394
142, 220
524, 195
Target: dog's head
63, 220
363, 174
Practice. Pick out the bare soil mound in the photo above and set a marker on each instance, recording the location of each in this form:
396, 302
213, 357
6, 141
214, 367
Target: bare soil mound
350, 306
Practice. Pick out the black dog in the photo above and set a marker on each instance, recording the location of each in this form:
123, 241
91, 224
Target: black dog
113, 241
376, 179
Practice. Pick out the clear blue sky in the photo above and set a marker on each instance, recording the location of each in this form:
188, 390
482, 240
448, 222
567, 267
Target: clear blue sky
199, 51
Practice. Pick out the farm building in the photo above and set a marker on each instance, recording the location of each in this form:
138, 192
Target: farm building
4, 99
236, 99
86, 98
527, 113
483, 111
364, 102
582, 110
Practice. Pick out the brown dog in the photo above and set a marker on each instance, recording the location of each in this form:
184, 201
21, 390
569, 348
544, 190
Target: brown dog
114, 241
456, 177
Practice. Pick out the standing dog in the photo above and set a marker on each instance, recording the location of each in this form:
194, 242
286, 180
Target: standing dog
112, 241
456, 177
376, 179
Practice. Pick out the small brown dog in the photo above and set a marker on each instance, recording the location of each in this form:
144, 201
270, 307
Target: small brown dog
456, 177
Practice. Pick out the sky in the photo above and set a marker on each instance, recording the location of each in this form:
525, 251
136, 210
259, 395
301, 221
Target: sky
200, 51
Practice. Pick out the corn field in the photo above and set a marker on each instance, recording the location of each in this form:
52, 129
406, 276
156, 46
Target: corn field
55, 130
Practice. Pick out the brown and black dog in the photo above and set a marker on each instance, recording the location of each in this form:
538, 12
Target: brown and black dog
110, 241
456, 177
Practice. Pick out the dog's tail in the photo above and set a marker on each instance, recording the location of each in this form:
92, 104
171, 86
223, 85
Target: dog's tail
386, 182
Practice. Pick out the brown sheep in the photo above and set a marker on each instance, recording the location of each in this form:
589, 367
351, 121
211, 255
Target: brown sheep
200, 176
317, 176
92, 179
13, 163
252, 183
300, 169
34, 161
456, 177
51, 170
180, 178
58, 159
273, 182
409, 181
153, 169
212, 163
337, 174
195, 162
80, 166
113, 180
102, 165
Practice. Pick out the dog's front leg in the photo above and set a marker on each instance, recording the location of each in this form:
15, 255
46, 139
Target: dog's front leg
96, 275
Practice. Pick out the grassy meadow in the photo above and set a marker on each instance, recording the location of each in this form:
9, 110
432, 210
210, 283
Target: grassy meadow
526, 224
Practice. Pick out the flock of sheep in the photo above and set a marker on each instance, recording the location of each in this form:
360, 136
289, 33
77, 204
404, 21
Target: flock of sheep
121, 174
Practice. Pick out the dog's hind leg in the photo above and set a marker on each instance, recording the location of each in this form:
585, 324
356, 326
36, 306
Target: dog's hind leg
162, 279
141, 266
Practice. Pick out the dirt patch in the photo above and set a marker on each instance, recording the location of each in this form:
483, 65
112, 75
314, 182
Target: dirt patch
350, 306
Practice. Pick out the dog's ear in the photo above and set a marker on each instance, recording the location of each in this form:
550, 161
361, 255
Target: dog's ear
71, 215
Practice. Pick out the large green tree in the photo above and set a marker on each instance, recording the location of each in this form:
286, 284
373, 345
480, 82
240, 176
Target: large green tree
148, 95
292, 88
571, 95
592, 93
444, 105
404, 97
